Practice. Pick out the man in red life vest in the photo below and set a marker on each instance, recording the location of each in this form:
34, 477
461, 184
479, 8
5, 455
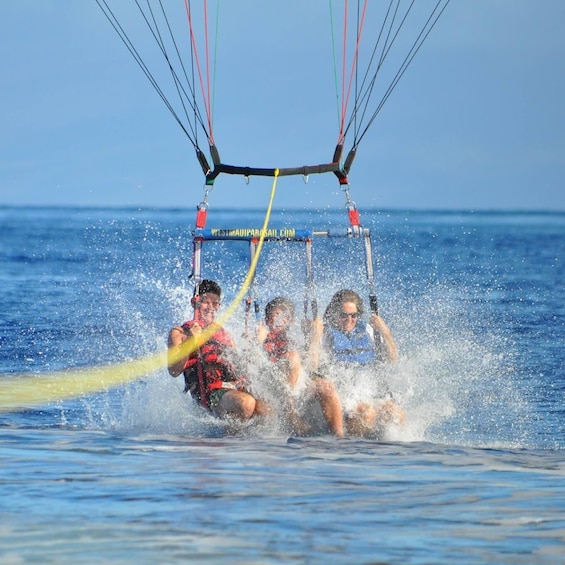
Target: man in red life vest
210, 377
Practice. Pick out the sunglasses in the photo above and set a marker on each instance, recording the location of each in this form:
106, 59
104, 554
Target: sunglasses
345, 315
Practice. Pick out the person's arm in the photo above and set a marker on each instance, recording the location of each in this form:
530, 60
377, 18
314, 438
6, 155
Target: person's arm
294, 367
177, 337
316, 333
262, 333
388, 350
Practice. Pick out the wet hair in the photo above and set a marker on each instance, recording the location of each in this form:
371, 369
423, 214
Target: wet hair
279, 302
207, 286
333, 311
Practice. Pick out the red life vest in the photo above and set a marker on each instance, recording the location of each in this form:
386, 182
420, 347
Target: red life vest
207, 369
276, 345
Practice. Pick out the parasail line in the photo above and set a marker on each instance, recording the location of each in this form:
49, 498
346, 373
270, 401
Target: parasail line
425, 31
334, 63
343, 68
178, 84
110, 16
353, 68
196, 58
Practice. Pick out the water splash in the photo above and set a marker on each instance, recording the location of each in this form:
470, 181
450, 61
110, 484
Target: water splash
454, 379
457, 377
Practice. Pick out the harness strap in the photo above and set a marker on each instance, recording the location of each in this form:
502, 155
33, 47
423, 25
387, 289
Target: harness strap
201, 383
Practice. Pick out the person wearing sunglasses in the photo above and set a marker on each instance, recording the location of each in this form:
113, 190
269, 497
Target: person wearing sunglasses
347, 336
349, 347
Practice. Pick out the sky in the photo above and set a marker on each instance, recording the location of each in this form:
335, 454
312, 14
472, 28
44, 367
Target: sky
476, 123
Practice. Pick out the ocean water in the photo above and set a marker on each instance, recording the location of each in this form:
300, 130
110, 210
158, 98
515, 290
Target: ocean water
136, 473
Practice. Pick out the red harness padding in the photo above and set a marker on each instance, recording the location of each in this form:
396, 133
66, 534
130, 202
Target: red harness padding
207, 369
276, 345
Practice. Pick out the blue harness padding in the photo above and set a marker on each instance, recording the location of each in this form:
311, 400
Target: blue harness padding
357, 348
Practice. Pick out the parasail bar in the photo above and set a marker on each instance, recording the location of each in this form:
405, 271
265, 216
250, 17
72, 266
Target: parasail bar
271, 234
247, 234
342, 232
282, 172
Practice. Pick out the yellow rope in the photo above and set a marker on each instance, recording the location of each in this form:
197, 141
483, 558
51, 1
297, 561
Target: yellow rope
21, 391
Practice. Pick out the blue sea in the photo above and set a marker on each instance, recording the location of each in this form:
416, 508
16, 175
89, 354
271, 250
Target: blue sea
137, 474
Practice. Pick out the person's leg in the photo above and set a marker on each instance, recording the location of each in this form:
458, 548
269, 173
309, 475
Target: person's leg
262, 408
390, 413
236, 404
363, 421
331, 405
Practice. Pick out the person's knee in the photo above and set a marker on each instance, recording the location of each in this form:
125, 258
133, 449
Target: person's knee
325, 389
248, 404
391, 413
261, 408
367, 413
237, 404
